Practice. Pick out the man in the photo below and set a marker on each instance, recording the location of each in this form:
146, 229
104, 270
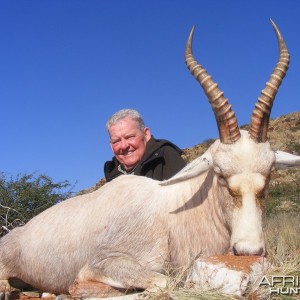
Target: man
137, 152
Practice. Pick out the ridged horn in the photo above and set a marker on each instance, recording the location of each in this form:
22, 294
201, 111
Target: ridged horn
227, 123
261, 113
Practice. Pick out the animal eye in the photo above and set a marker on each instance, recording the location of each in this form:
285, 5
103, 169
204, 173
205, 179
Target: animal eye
260, 195
233, 194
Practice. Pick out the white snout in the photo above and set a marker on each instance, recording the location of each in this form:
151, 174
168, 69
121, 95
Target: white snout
247, 235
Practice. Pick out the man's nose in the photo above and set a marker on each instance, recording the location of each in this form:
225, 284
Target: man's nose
124, 144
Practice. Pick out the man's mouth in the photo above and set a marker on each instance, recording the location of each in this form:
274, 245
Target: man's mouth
128, 153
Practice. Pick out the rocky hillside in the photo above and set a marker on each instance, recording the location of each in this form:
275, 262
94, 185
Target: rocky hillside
284, 134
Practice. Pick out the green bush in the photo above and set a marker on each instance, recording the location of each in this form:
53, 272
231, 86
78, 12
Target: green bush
27, 195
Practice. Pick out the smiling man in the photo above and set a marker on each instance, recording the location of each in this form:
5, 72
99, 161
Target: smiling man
136, 151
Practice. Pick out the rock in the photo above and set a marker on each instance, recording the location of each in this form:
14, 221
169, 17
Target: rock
226, 274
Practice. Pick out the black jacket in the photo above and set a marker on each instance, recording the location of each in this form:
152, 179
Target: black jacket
161, 160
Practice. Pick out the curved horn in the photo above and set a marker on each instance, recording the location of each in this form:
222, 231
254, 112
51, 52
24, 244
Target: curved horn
227, 123
261, 113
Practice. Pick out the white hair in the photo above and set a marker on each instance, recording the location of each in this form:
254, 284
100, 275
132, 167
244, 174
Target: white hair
126, 113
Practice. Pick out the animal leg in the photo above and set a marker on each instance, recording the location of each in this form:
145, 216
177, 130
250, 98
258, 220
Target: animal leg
88, 289
114, 275
4, 289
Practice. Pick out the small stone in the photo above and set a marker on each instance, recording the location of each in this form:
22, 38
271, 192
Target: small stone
226, 274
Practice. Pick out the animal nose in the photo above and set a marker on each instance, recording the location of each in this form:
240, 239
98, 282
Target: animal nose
251, 252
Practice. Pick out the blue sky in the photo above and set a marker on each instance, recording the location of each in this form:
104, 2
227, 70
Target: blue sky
67, 65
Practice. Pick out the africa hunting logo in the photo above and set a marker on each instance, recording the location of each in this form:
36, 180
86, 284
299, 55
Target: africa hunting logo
281, 285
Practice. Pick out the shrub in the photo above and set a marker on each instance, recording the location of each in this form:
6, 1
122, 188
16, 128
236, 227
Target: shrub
27, 195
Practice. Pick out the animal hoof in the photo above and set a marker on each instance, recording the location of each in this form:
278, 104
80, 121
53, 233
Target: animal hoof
4, 295
4, 290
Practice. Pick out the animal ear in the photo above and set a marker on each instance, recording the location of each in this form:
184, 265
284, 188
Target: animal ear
193, 169
286, 160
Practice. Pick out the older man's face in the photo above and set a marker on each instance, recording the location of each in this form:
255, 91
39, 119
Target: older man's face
128, 142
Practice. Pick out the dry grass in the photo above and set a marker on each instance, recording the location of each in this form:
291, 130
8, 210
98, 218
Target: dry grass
283, 246
185, 294
283, 241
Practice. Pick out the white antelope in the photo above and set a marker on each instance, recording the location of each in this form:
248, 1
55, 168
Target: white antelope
125, 233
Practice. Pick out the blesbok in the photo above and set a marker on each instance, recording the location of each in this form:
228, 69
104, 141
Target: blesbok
125, 233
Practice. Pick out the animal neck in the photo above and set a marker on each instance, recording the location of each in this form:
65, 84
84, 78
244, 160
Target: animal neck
199, 221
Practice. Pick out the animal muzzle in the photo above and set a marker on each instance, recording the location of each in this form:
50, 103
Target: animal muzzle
248, 248
247, 236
